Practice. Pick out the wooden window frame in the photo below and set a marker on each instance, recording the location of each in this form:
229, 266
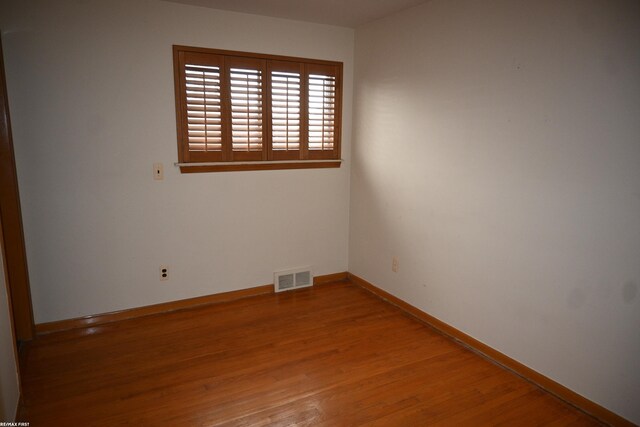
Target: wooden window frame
226, 159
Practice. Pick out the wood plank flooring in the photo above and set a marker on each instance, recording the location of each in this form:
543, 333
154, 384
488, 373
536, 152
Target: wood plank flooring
333, 355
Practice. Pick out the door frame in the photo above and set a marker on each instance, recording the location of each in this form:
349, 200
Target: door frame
13, 246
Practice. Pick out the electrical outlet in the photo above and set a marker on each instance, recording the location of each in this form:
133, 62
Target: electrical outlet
164, 272
395, 264
158, 172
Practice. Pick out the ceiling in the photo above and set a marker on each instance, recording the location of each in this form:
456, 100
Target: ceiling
344, 13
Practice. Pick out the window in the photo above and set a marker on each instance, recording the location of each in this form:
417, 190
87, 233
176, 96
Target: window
247, 111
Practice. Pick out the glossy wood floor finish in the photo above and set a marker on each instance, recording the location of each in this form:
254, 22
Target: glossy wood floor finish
333, 355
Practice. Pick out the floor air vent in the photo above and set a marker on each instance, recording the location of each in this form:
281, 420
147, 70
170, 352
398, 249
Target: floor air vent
292, 279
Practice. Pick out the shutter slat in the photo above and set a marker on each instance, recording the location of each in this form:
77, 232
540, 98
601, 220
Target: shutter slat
285, 110
203, 99
321, 115
246, 109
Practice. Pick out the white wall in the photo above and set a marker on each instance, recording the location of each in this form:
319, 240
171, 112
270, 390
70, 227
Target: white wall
92, 106
9, 392
497, 155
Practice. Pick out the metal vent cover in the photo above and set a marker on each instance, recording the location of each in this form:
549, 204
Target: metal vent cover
287, 280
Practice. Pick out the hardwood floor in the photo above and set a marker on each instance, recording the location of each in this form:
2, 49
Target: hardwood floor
333, 355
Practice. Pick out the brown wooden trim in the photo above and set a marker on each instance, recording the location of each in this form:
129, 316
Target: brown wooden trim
18, 406
260, 166
100, 319
183, 153
253, 55
330, 278
12, 241
14, 341
304, 113
518, 368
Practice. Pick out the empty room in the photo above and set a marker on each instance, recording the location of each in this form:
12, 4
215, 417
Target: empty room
331, 213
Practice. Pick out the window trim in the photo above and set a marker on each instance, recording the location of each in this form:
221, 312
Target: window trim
194, 162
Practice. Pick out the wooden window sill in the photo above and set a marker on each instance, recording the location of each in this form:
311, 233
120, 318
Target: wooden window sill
255, 166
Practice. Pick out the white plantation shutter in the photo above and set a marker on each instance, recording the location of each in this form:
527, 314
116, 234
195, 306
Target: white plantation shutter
285, 111
246, 109
322, 112
203, 102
